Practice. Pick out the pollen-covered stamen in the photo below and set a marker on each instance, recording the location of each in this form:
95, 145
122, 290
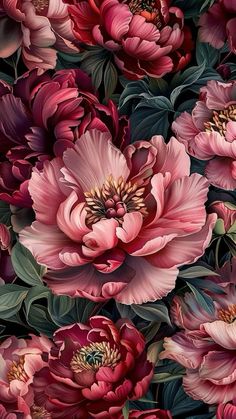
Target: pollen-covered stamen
94, 356
38, 412
113, 200
40, 5
148, 9
220, 119
228, 315
17, 372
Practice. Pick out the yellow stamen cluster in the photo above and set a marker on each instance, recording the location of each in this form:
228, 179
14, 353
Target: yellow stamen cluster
113, 200
40, 5
16, 371
38, 412
228, 315
220, 119
94, 356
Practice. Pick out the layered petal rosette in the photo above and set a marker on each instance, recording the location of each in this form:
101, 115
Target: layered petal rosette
207, 345
209, 133
146, 37
41, 116
112, 224
39, 27
217, 25
94, 369
20, 359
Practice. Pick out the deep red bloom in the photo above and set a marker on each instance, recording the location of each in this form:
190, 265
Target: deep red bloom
93, 370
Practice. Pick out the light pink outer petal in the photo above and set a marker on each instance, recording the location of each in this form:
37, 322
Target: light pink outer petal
149, 283
131, 226
218, 94
219, 367
221, 172
212, 28
94, 159
116, 18
45, 243
101, 238
222, 333
213, 144
186, 131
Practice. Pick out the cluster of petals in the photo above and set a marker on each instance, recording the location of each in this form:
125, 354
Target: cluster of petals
47, 114
20, 360
226, 410
93, 370
146, 39
130, 253
209, 132
206, 346
217, 25
39, 27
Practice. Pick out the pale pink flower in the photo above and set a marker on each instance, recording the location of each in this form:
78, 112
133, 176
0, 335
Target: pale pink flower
112, 224
209, 133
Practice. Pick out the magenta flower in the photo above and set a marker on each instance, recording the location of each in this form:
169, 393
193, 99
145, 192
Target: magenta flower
207, 345
47, 115
217, 25
119, 224
145, 38
209, 133
94, 369
39, 27
20, 359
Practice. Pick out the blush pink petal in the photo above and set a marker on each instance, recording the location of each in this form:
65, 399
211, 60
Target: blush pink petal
139, 27
185, 130
224, 334
45, 243
219, 367
117, 17
212, 26
200, 115
226, 411
71, 218
131, 226
10, 31
148, 243
218, 94
101, 238
109, 160
149, 283
230, 134
221, 172
212, 143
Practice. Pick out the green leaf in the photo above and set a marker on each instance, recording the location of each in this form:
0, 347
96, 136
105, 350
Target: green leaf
35, 293
197, 271
26, 266
39, 319
176, 400
5, 77
110, 79
187, 78
205, 52
203, 299
152, 311
5, 213
11, 299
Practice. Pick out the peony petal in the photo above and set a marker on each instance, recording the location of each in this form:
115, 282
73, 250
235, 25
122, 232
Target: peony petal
221, 173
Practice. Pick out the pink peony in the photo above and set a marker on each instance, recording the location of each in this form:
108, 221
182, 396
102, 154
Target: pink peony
217, 25
207, 345
145, 38
36, 26
47, 115
226, 411
112, 224
93, 370
20, 359
209, 133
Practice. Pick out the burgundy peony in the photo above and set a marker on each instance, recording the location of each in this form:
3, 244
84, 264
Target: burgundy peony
207, 344
47, 114
217, 25
93, 370
146, 38
112, 224
209, 132
39, 27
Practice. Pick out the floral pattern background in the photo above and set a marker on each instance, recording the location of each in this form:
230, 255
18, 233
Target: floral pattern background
117, 209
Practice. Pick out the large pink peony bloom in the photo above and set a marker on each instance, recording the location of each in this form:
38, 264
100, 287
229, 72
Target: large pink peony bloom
112, 224
207, 345
20, 359
36, 26
209, 133
94, 369
217, 25
47, 114
146, 38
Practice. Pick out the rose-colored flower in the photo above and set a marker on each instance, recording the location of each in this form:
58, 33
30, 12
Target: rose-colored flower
93, 370
209, 133
112, 224
207, 345
217, 25
149, 414
20, 359
36, 26
46, 115
226, 411
145, 38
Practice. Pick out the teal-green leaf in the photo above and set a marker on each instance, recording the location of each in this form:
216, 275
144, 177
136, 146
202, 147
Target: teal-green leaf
11, 299
26, 266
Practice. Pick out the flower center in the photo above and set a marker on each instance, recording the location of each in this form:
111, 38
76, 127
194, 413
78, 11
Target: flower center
40, 5
148, 9
113, 200
220, 119
94, 356
17, 372
228, 315
38, 412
